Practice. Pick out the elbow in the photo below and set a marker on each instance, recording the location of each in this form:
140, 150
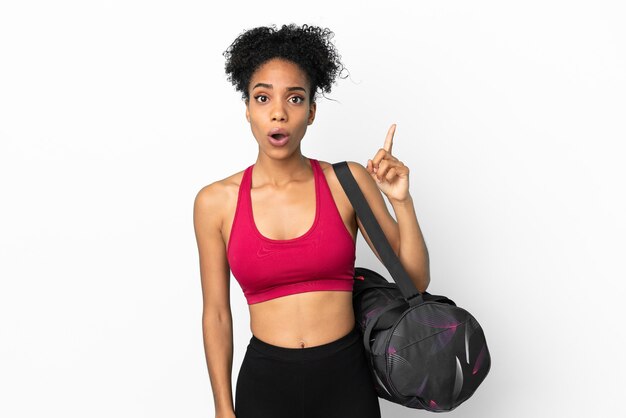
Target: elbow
425, 277
216, 315
420, 276
425, 286
423, 283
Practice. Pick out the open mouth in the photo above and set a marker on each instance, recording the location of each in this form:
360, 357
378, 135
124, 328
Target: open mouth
278, 140
278, 136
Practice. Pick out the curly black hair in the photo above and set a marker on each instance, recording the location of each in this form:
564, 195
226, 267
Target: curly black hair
308, 46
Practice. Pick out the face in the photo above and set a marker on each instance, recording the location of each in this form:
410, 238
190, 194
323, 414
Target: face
279, 98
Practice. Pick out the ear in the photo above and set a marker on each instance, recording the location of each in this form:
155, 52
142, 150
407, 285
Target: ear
312, 109
248, 110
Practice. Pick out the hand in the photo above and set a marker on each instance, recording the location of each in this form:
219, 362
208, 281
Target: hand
390, 174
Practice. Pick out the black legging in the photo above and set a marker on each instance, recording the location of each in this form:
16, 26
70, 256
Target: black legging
326, 381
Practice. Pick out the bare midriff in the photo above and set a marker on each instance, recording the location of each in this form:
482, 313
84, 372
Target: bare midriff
304, 319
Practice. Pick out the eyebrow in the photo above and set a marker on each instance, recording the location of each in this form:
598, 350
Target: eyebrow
269, 86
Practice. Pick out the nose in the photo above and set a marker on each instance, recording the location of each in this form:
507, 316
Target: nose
278, 112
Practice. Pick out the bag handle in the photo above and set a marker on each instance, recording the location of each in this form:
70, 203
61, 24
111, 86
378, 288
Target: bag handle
376, 234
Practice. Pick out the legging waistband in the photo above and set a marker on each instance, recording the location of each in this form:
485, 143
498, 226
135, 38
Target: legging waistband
307, 353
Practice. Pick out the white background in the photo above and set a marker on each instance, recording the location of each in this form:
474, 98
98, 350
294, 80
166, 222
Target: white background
113, 114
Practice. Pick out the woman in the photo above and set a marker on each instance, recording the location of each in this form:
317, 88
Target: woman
287, 231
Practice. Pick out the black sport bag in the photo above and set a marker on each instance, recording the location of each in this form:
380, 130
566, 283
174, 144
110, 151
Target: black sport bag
424, 352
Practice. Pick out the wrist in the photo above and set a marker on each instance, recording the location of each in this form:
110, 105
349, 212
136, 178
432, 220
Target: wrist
408, 200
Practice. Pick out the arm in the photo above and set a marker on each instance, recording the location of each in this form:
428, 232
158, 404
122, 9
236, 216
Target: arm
404, 236
217, 329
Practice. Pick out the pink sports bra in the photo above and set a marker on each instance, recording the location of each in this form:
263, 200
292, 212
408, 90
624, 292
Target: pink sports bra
321, 259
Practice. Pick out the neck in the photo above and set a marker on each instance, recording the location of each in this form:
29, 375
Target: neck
281, 172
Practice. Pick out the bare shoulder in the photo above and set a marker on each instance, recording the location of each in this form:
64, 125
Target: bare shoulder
214, 200
358, 171
368, 187
360, 174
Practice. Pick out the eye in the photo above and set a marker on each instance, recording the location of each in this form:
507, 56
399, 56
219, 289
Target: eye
299, 98
260, 95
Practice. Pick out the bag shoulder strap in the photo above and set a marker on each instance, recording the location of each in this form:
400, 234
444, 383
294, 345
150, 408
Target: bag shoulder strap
376, 234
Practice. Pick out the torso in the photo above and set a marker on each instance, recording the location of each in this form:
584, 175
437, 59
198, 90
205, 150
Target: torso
304, 319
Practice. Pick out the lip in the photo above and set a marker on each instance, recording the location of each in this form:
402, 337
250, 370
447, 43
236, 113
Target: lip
276, 142
277, 130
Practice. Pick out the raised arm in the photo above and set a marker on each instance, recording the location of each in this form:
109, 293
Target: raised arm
404, 236
217, 326
387, 175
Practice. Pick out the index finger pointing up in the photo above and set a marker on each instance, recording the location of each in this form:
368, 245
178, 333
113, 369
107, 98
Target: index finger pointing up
389, 139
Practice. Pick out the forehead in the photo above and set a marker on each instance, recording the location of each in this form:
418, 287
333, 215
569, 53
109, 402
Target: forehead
279, 71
